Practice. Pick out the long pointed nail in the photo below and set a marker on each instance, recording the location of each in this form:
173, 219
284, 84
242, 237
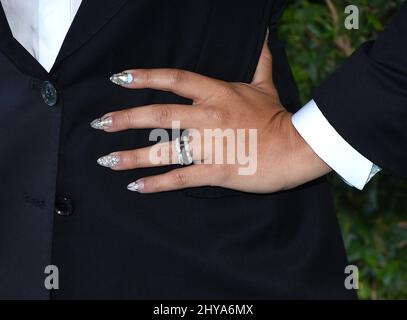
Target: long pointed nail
137, 186
109, 161
122, 78
102, 123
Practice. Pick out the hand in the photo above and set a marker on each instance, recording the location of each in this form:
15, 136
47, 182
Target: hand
251, 115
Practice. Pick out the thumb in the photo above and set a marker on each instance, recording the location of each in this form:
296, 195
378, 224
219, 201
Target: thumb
264, 72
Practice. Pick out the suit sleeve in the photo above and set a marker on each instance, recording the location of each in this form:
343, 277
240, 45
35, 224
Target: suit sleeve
282, 75
365, 100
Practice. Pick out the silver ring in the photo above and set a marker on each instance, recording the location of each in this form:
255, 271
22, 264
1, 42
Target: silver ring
183, 149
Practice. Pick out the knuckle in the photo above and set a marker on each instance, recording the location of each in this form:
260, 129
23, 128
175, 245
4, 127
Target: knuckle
176, 77
217, 114
146, 76
166, 153
128, 118
225, 90
134, 159
181, 179
162, 114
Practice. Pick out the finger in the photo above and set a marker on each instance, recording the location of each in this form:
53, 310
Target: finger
188, 177
153, 116
264, 71
183, 83
160, 154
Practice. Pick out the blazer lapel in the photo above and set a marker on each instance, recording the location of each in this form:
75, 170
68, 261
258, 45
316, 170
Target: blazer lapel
90, 18
4, 27
16, 52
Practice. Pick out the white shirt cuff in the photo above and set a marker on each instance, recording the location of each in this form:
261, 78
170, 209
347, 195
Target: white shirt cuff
326, 142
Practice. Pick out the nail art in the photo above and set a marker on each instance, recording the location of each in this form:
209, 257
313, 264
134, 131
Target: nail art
137, 186
102, 123
122, 78
109, 161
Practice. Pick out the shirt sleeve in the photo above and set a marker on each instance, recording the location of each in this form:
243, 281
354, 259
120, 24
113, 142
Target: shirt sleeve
326, 142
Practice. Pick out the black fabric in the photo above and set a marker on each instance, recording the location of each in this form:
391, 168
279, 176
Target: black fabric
366, 99
195, 243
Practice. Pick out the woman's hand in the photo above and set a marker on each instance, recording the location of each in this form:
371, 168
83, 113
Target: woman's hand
241, 136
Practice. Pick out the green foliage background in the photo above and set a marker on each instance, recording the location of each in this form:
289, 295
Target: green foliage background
374, 221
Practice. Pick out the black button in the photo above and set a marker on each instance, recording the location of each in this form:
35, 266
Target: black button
63, 206
49, 93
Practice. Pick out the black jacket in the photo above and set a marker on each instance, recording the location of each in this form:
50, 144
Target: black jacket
57, 206
366, 99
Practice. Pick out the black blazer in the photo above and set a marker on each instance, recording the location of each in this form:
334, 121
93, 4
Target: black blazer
57, 206
366, 99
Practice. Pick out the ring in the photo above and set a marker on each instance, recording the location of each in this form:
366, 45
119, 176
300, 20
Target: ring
183, 149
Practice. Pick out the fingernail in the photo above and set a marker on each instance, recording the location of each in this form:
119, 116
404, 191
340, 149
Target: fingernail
122, 78
102, 123
137, 186
109, 161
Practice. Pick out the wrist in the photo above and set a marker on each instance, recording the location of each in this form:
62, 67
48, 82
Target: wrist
304, 164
